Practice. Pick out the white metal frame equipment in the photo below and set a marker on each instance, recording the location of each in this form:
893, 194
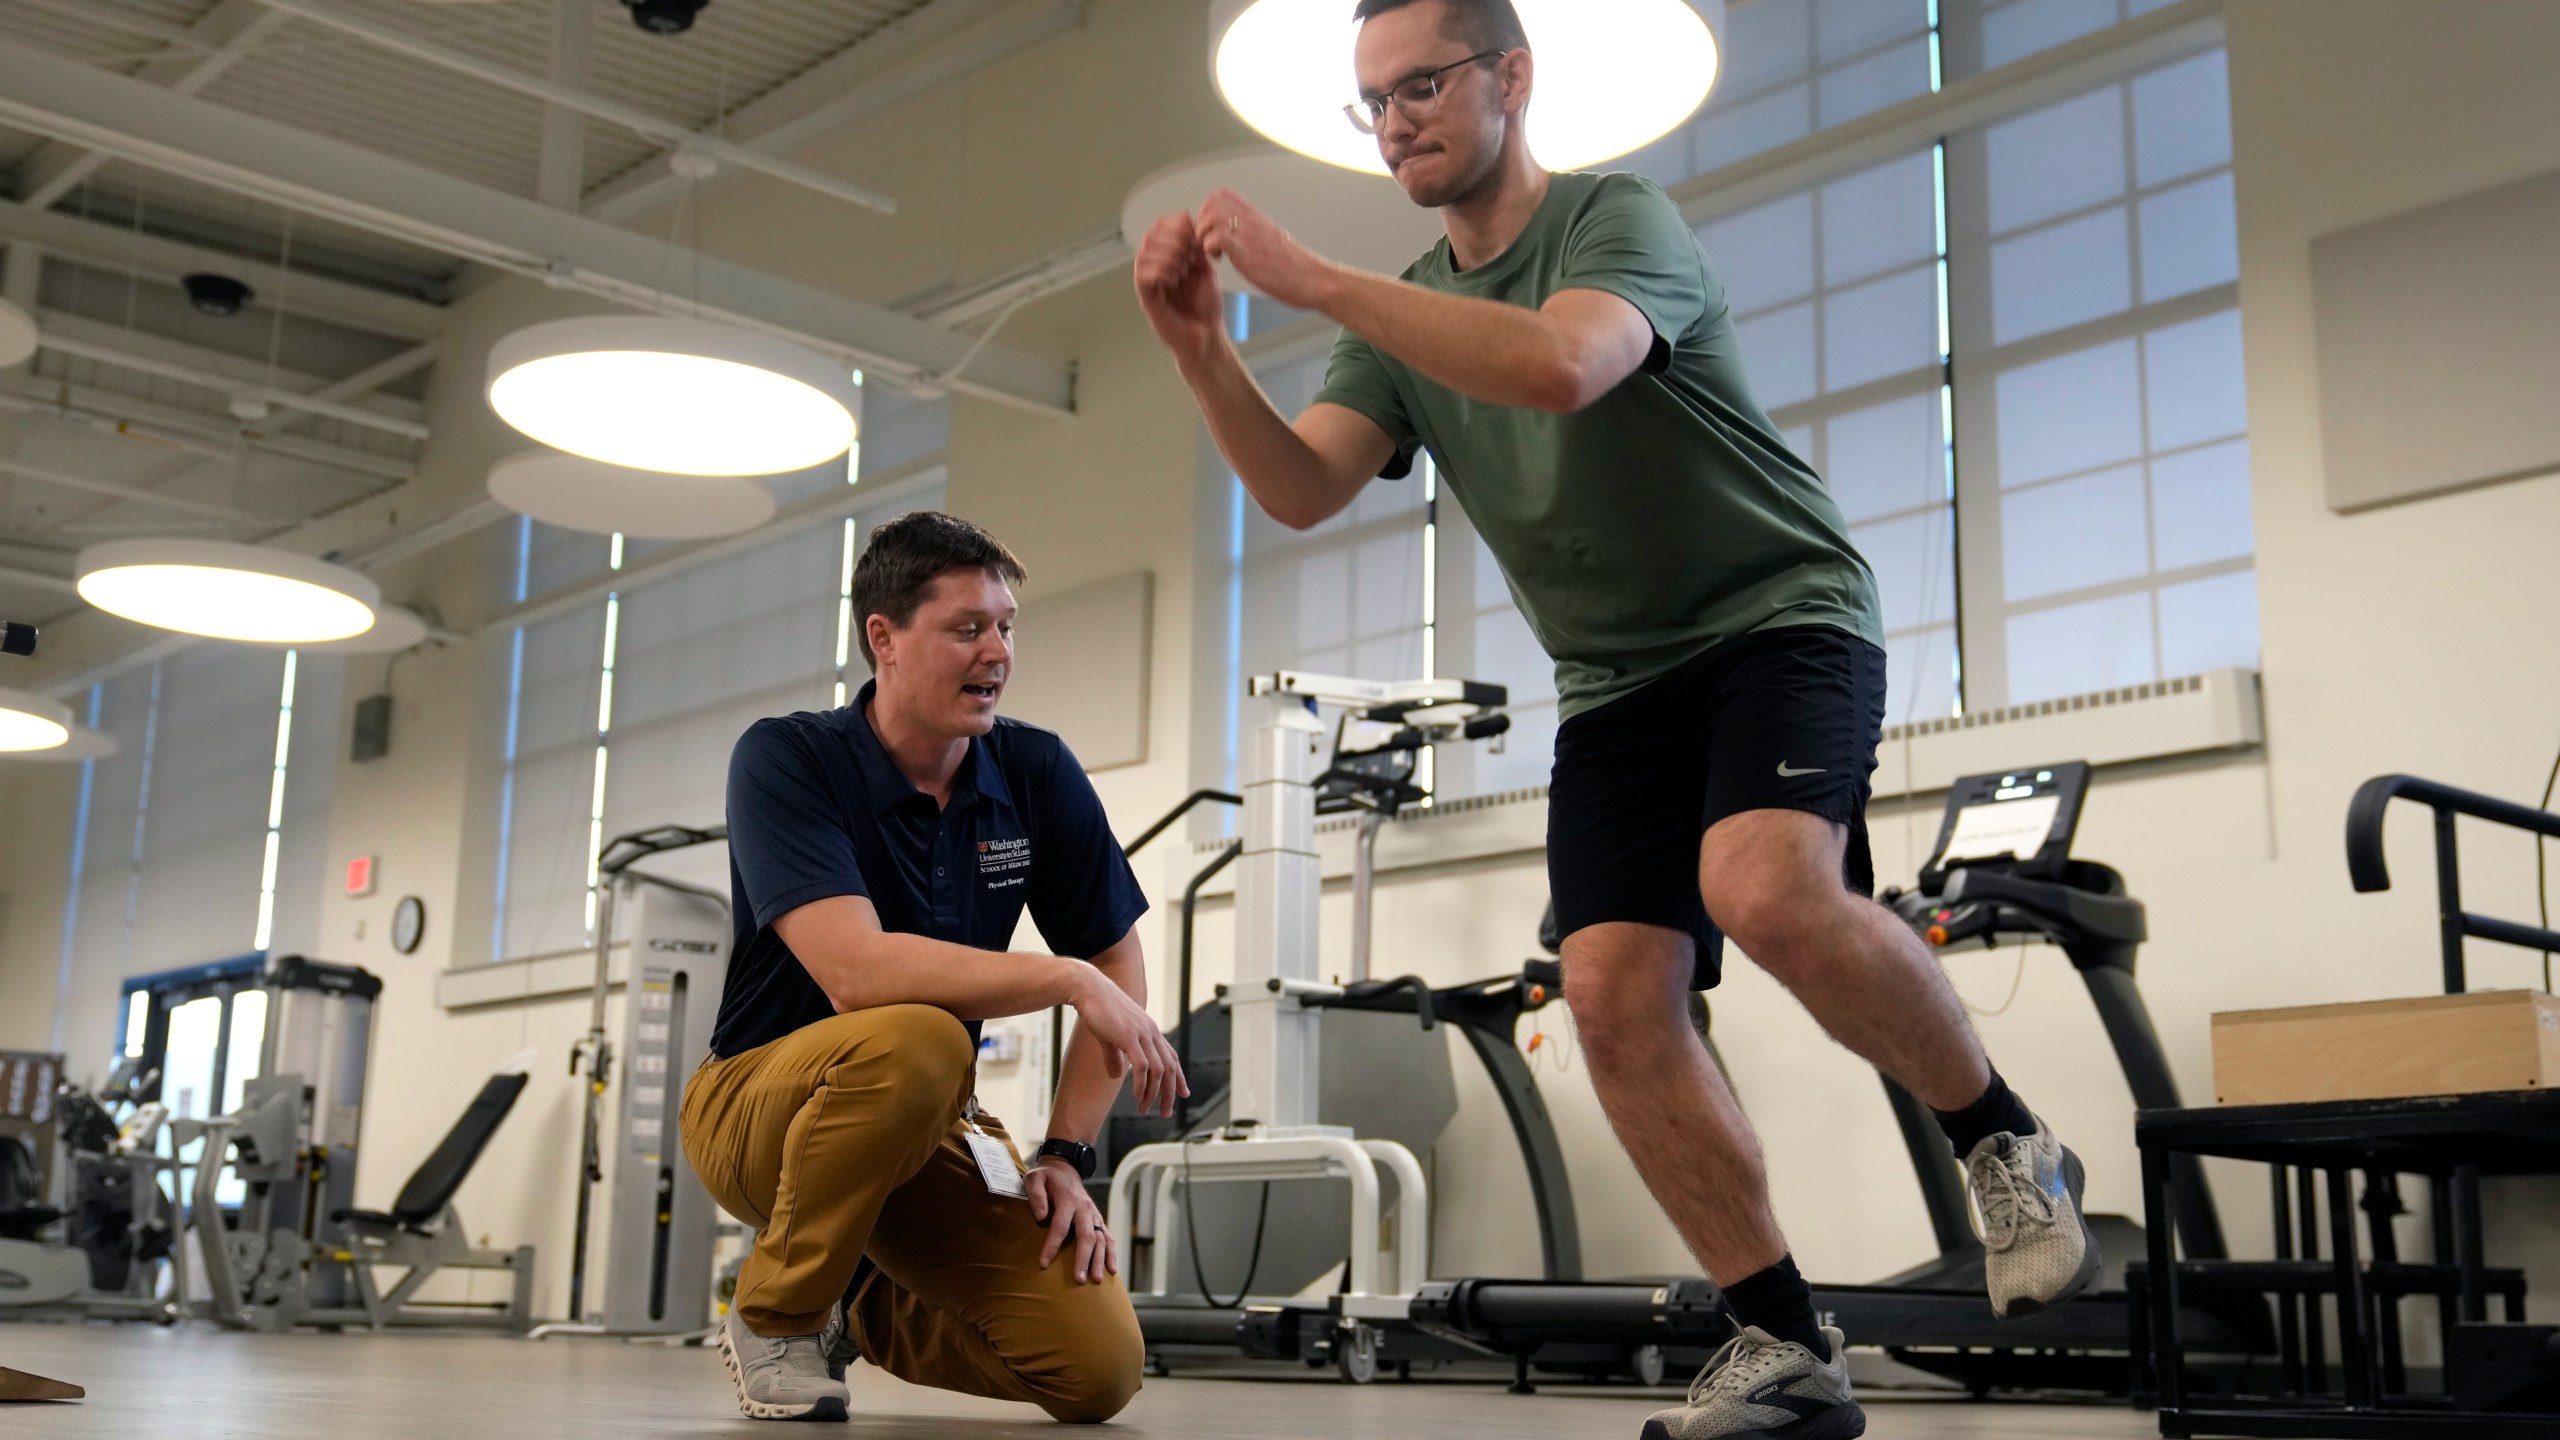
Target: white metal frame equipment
1272, 1131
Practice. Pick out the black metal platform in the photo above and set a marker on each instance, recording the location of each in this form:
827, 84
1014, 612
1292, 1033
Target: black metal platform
2452, 1140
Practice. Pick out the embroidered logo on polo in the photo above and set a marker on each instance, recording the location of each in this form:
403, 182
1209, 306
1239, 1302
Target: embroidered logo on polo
1005, 858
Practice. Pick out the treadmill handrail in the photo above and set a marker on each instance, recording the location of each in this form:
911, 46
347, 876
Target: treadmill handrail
2369, 871
2111, 919
1177, 812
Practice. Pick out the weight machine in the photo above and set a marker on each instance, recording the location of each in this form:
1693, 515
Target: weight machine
660, 1224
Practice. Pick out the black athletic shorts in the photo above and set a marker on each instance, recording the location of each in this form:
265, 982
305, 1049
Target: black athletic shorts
1783, 719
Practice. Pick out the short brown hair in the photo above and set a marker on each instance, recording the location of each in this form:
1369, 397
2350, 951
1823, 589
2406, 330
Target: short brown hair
1476, 24
906, 555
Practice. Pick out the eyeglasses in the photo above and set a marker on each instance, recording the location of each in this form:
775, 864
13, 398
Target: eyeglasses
1414, 96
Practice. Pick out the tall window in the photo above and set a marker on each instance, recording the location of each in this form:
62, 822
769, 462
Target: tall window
1795, 67
2105, 474
551, 783
199, 839
1839, 299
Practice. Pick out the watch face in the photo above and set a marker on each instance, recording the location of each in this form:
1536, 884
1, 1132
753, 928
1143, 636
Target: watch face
408, 924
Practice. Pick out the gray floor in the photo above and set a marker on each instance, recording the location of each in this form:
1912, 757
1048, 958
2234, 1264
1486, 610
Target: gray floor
200, 1383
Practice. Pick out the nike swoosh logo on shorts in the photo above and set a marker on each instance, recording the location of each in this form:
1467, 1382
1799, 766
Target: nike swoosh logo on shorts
1787, 774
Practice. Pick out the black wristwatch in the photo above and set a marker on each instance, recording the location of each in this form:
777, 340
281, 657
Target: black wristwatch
1074, 1152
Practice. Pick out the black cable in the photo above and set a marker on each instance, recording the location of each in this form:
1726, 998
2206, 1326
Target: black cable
1191, 1227
2541, 869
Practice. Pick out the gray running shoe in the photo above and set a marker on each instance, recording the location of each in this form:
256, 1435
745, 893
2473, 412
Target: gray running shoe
782, 1378
2038, 1250
1760, 1388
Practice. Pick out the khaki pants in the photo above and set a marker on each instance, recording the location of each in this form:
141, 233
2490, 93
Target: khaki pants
843, 1139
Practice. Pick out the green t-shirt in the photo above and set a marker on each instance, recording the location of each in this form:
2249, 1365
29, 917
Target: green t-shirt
1661, 520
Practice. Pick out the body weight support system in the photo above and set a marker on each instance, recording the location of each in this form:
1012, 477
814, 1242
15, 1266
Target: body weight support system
1274, 1131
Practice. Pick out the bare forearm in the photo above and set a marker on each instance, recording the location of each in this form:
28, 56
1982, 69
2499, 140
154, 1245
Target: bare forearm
1086, 1086
1495, 353
893, 969
1282, 472
1086, 1090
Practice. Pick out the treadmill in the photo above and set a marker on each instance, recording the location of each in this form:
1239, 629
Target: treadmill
2001, 868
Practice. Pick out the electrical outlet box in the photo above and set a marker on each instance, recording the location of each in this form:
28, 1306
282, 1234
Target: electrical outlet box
372, 729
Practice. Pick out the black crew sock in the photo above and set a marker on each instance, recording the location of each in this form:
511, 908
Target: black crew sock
1779, 1302
1998, 1110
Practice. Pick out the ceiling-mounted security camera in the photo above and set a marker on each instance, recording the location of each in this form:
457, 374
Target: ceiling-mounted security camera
217, 295
664, 17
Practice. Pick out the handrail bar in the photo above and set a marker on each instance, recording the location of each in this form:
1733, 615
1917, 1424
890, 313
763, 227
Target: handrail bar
1177, 812
2369, 872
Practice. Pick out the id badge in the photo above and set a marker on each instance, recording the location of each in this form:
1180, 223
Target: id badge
995, 1165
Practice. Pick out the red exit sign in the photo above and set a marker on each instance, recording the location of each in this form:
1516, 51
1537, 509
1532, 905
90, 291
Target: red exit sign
360, 875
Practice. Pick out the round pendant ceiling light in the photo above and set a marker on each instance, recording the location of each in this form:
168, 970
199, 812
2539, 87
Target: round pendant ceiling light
30, 722
1612, 75
685, 397
394, 629
17, 334
576, 493
228, 592
84, 744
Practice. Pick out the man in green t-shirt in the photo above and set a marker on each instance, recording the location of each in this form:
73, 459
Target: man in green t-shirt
1568, 357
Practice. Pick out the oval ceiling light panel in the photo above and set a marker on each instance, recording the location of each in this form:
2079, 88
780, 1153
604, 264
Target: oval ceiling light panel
684, 397
31, 723
84, 744
576, 493
226, 591
1613, 76
17, 334
394, 628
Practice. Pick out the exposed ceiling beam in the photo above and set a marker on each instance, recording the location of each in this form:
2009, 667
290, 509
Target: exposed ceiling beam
899, 61
1061, 269
91, 13
237, 373
160, 259
39, 580
552, 92
53, 339
380, 373
201, 54
560, 173
214, 437
480, 514
134, 493
322, 176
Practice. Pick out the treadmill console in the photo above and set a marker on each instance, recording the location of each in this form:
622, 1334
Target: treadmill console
2018, 821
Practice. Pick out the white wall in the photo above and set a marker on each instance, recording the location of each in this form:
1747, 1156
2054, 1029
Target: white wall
2412, 638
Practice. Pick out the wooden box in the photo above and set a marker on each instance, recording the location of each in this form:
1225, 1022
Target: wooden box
2386, 1049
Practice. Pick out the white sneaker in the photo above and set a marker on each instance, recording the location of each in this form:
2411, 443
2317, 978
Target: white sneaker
2038, 1250
1761, 1388
782, 1377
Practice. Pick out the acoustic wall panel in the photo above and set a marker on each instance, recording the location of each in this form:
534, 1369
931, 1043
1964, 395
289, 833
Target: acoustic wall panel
2439, 338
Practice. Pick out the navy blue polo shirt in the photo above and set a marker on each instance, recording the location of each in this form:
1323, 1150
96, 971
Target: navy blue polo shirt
817, 808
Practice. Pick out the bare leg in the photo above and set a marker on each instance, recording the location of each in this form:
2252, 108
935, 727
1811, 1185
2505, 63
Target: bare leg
1771, 880
1627, 985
